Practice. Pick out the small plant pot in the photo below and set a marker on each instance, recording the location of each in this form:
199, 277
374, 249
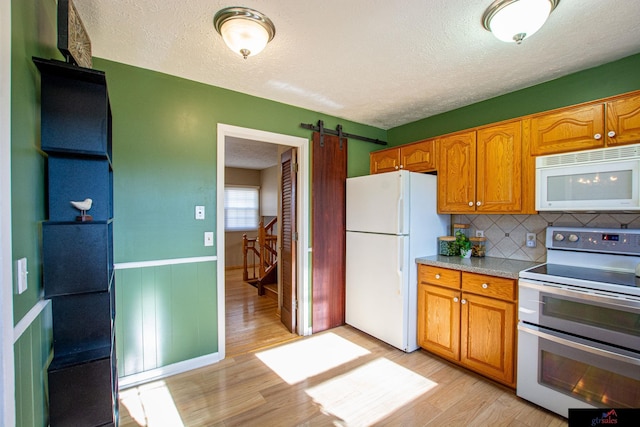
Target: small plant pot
465, 254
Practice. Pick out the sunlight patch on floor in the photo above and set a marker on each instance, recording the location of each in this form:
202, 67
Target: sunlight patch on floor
306, 358
151, 405
368, 394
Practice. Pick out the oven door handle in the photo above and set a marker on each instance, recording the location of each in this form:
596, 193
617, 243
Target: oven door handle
623, 301
534, 330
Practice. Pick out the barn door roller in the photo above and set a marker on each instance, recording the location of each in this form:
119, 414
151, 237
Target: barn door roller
338, 132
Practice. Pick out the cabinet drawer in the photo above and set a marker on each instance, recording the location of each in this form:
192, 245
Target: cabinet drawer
439, 276
491, 286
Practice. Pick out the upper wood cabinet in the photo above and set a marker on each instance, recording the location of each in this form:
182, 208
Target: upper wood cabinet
481, 171
623, 120
595, 125
457, 173
415, 157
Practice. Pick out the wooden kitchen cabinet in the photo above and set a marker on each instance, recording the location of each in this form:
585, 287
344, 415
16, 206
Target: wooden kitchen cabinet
457, 172
470, 321
414, 157
623, 119
480, 171
595, 125
384, 160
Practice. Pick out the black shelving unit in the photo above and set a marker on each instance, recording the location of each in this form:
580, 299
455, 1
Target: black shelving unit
78, 271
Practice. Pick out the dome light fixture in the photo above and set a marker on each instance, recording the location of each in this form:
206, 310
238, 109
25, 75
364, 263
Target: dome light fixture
515, 20
245, 31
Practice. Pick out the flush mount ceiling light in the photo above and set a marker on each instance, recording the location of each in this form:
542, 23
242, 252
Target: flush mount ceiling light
515, 20
245, 31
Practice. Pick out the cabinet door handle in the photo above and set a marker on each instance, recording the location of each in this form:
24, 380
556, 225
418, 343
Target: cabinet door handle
611, 134
485, 286
470, 203
597, 136
396, 167
437, 276
455, 299
401, 166
478, 203
464, 301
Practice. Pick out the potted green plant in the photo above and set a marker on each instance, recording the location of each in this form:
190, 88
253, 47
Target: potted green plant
464, 244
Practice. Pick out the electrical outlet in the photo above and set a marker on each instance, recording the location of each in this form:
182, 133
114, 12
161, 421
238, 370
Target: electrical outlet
208, 238
199, 212
479, 233
531, 240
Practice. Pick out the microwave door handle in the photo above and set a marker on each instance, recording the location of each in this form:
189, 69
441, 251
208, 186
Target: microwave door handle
580, 346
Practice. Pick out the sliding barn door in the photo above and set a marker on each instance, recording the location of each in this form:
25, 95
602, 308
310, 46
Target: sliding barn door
328, 201
288, 311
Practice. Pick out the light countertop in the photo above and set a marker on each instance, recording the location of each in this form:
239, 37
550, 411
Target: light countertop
501, 267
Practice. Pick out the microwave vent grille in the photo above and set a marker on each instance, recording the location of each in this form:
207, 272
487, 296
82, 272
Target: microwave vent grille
628, 152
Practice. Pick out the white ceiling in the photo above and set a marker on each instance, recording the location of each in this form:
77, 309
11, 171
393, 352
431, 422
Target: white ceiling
377, 62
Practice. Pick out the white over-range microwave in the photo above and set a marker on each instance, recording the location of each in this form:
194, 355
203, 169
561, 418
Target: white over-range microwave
605, 179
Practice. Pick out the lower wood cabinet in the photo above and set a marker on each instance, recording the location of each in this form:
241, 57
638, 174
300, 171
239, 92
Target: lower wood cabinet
469, 319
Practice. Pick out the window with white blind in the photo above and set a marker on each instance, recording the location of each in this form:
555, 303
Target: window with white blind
241, 208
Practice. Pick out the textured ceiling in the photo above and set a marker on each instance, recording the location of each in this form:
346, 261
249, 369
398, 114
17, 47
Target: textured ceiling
377, 62
249, 154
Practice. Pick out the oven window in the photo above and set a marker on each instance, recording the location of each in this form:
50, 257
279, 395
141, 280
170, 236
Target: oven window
589, 383
592, 315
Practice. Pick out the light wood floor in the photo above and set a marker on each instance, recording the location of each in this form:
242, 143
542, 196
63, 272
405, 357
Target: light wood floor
340, 377
252, 320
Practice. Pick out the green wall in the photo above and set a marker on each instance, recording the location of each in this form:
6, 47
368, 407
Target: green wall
33, 33
164, 157
599, 82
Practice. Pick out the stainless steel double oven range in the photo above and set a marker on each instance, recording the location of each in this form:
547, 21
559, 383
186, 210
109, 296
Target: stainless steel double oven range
579, 322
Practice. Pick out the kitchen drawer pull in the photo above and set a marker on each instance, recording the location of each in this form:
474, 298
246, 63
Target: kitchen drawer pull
597, 136
485, 286
437, 276
611, 134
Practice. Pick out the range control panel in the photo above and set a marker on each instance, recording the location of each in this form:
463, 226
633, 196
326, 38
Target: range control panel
603, 240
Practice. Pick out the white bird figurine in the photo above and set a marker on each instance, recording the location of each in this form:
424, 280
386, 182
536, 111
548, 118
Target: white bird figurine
83, 206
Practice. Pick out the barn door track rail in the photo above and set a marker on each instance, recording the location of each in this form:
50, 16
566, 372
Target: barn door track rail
339, 133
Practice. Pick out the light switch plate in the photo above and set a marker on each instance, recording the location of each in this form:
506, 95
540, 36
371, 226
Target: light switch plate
21, 275
208, 238
199, 212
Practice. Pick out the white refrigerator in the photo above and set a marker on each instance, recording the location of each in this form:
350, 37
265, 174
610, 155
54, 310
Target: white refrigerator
391, 220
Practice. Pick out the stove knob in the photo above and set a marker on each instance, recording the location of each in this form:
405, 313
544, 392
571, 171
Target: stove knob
573, 238
558, 237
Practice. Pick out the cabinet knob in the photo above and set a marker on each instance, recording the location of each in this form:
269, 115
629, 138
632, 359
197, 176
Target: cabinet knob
437, 276
401, 166
611, 133
470, 203
455, 299
597, 136
485, 286
464, 301
397, 168
478, 203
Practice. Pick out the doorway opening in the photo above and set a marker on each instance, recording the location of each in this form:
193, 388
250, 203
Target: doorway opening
242, 299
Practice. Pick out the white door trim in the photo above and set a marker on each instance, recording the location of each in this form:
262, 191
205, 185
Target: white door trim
7, 368
303, 289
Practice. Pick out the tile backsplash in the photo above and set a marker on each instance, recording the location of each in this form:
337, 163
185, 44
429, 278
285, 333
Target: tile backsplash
506, 234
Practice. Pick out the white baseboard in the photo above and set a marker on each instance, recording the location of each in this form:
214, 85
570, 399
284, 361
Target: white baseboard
167, 371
